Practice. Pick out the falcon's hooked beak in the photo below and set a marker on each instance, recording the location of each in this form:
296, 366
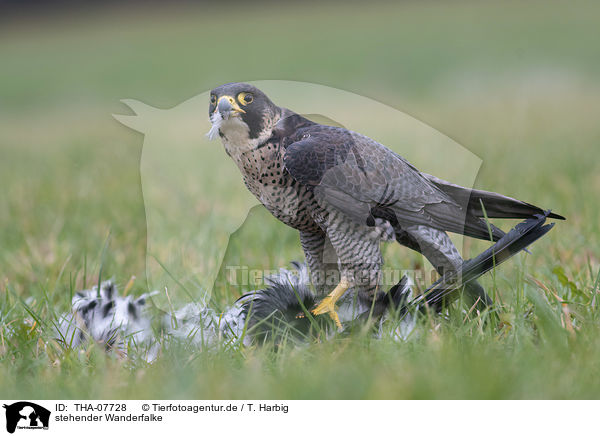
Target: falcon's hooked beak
227, 106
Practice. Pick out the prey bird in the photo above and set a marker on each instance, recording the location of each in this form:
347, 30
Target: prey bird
346, 193
275, 314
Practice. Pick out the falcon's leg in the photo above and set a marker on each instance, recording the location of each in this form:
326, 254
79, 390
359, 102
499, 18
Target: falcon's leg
321, 260
358, 251
438, 248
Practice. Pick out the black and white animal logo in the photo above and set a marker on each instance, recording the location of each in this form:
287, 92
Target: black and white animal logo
26, 415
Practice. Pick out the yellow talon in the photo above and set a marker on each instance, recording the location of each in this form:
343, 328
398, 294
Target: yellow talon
327, 305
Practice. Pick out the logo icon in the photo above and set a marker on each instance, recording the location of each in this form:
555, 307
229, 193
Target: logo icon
26, 415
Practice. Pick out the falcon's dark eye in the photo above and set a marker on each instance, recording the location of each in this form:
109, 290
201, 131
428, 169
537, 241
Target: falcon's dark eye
245, 98
213, 99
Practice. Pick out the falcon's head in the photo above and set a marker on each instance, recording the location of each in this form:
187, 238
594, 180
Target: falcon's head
241, 114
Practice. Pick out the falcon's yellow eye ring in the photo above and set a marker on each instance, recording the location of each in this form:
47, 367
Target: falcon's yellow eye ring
245, 98
213, 99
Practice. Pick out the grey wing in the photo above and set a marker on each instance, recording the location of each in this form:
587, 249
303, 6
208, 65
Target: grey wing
365, 180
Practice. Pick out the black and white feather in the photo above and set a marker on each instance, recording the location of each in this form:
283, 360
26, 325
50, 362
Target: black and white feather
108, 318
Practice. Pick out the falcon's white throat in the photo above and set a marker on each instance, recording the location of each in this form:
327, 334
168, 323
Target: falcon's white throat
236, 134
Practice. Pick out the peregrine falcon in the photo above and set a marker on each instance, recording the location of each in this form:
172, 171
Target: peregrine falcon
345, 193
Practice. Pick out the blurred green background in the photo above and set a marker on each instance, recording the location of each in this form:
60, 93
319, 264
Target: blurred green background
517, 83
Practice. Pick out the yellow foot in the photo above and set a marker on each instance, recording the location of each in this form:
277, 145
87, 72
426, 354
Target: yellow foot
327, 305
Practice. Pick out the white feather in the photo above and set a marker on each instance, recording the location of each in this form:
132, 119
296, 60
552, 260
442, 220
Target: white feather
216, 119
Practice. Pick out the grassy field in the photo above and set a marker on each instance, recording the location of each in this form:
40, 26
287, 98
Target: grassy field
516, 83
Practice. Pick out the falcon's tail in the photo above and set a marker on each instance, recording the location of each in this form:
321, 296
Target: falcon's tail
447, 288
495, 205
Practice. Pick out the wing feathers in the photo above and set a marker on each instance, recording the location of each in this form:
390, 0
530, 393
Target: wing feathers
358, 176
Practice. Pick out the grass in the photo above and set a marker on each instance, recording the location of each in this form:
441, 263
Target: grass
516, 84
